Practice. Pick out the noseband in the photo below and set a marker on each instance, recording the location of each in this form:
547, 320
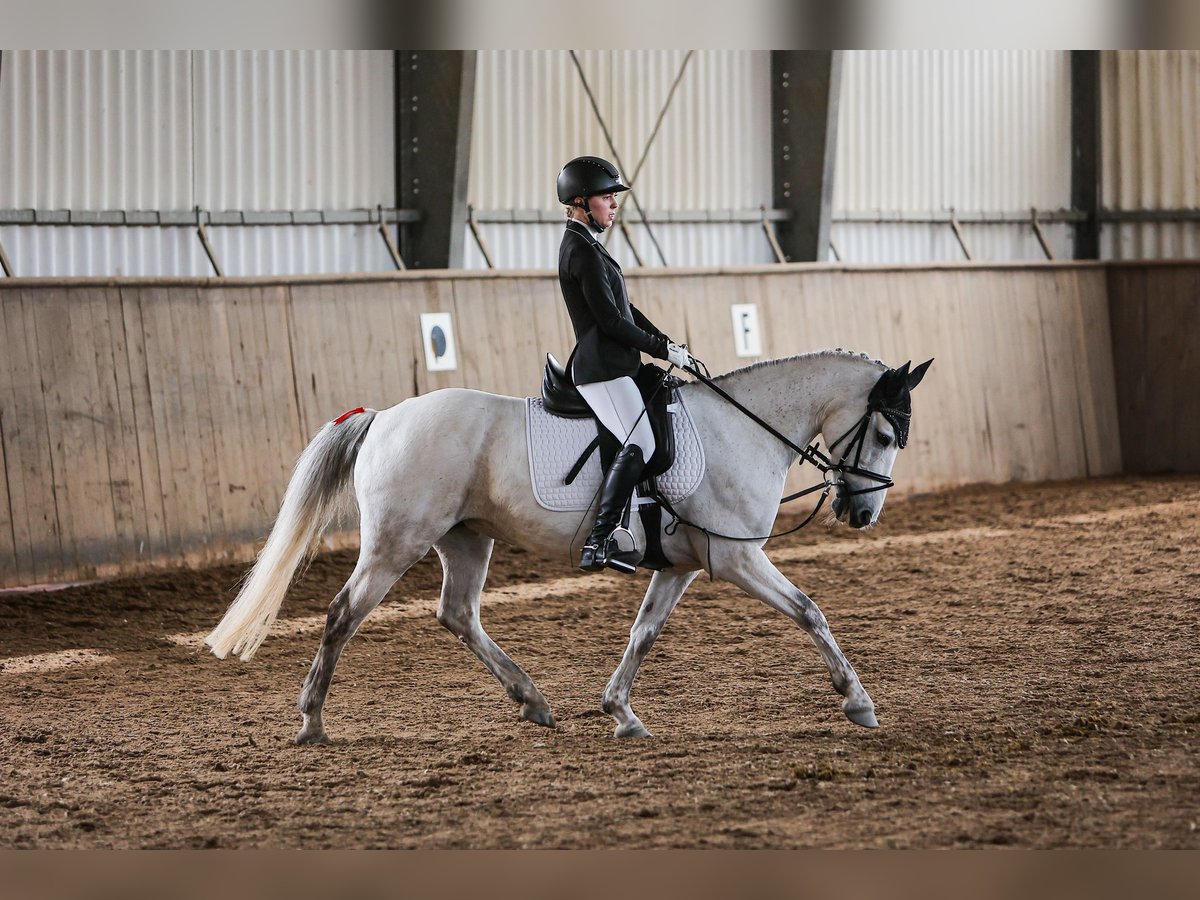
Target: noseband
898, 419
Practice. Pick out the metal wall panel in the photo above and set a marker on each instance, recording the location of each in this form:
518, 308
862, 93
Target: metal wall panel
290, 129
96, 129
1150, 240
535, 246
857, 242
1150, 124
920, 132
515, 246
1011, 241
932, 131
60, 250
262, 250
532, 114
698, 245
159, 130
963, 129
296, 250
860, 242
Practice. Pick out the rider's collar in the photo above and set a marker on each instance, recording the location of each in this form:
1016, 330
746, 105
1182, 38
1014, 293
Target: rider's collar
595, 235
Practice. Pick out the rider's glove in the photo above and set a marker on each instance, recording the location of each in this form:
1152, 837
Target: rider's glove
678, 356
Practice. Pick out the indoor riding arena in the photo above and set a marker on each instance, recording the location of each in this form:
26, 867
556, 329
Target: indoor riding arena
179, 318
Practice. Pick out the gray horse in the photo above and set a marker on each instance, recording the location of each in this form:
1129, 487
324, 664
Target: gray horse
448, 470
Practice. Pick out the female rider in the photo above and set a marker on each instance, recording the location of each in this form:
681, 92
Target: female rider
610, 333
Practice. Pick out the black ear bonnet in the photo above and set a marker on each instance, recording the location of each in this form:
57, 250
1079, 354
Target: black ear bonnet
891, 398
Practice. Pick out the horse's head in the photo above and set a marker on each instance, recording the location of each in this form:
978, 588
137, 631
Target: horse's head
864, 443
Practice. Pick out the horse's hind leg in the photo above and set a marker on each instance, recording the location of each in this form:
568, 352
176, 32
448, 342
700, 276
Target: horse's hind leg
366, 587
465, 556
664, 592
751, 570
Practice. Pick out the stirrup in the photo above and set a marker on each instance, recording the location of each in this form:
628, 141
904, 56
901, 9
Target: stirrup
624, 561
609, 554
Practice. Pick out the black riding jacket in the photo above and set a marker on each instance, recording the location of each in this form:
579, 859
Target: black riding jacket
609, 331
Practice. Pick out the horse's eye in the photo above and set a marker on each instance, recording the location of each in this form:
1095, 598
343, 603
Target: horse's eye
885, 440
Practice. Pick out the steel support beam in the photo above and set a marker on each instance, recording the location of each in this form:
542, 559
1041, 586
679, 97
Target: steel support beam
1085, 150
435, 100
805, 87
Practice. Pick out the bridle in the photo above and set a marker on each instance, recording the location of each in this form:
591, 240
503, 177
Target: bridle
898, 419
832, 473
813, 455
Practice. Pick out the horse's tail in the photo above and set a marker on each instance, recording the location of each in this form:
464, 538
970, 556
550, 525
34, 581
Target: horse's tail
315, 494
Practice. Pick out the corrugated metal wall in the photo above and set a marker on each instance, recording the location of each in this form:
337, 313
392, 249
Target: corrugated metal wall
294, 130
1151, 151
921, 133
96, 130
170, 130
712, 152
42, 250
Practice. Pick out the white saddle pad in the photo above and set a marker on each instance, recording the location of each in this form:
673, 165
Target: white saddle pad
555, 445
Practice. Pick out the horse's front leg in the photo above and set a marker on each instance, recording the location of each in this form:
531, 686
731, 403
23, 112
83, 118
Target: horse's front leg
664, 592
750, 569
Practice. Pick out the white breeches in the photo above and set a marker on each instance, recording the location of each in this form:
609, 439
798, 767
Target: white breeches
618, 406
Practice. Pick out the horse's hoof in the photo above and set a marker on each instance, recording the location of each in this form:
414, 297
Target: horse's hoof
632, 729
863, 715
538, 715
312, 736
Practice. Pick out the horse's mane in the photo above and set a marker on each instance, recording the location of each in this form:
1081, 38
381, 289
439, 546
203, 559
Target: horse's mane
837, 353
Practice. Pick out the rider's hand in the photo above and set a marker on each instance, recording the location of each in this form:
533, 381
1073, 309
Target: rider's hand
678, 356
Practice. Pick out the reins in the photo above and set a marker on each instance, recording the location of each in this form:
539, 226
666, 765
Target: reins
811, 454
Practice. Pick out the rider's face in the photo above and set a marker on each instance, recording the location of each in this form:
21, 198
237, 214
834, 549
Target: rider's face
604, 208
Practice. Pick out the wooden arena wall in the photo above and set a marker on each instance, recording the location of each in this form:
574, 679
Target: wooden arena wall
1155, 311
155, 422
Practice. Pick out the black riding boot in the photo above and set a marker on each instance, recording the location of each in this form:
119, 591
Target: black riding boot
601, 548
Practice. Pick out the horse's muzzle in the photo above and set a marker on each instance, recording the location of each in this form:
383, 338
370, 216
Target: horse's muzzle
844, 510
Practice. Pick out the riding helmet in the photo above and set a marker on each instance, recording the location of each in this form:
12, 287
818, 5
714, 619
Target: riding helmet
587, 176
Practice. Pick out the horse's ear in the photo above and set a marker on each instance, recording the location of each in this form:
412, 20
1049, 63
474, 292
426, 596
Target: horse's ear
914, 377
894, 381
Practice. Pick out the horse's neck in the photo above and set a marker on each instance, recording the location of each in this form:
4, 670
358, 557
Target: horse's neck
796, 395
